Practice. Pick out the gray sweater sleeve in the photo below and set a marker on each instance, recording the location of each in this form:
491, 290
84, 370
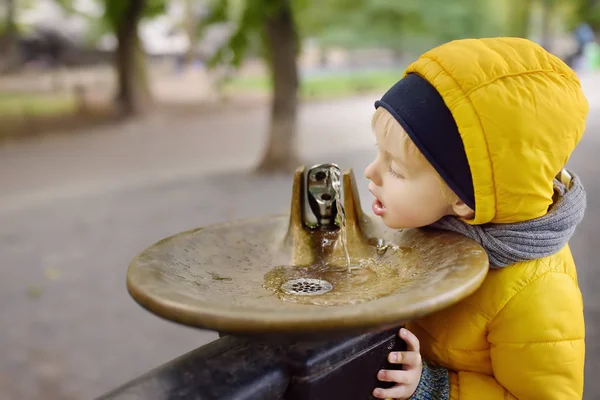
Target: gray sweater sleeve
434, 384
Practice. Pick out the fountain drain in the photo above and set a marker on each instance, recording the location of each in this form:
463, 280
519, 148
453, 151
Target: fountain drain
306, 287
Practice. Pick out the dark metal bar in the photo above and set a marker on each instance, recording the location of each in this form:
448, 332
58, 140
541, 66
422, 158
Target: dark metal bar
236, 368
228, 368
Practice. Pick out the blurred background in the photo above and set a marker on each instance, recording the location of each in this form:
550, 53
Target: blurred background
125, 121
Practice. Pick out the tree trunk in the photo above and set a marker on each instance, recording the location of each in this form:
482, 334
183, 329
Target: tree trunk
191, 27
132, 93
282, 46
10, 45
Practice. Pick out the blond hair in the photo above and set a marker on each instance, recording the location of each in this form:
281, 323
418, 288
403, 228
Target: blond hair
390, 133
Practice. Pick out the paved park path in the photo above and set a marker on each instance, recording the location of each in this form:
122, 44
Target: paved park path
74, 211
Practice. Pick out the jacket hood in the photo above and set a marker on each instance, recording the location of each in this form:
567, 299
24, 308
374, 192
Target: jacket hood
520, 112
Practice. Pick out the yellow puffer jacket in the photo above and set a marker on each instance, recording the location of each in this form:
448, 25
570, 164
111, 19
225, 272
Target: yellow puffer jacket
520, 113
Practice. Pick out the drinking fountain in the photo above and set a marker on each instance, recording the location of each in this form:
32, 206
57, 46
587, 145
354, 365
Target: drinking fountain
307, 304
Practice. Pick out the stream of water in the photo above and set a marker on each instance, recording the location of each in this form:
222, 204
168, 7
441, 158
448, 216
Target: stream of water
337, 186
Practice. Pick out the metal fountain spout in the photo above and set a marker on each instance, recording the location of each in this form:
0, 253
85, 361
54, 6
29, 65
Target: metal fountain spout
323, 185
323, 197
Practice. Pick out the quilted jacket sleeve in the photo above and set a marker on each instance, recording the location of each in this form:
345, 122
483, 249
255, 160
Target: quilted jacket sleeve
537, 346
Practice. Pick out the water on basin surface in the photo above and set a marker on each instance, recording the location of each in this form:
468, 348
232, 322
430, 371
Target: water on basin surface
371, 281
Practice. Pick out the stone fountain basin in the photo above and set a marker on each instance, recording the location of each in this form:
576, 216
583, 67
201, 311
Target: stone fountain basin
230, 277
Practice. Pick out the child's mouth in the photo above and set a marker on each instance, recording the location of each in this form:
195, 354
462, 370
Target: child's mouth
378, 207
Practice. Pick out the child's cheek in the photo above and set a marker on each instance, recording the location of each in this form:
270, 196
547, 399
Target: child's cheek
401, 218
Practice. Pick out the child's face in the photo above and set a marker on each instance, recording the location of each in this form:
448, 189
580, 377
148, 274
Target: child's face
408, 192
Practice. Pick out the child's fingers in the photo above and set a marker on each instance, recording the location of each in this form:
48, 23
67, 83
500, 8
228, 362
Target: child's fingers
396, 376
397, 392
412, 343
408, 358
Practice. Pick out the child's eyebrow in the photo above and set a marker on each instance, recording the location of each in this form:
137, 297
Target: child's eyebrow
401, 162
395, 158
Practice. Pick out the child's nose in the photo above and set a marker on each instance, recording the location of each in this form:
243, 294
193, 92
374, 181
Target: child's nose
372, 173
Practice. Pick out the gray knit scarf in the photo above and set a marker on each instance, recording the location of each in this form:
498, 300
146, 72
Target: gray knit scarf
508, 244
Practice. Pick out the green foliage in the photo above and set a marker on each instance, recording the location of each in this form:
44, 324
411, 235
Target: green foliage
114, 10
248, 18
249, 27
392, 24
69, 8
586, 11
397, 25
7, 20
154, 8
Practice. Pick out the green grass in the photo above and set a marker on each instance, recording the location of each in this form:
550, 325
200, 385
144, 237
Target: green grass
329, 86
14, 105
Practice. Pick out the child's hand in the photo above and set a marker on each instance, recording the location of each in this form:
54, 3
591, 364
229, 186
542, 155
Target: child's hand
408, 378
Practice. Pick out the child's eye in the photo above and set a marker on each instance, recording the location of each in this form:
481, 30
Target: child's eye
395, 174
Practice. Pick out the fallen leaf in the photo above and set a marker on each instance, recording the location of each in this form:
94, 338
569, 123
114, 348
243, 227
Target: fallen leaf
52, 274
34, 291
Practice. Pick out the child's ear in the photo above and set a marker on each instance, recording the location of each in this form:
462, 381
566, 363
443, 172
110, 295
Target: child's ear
462, 210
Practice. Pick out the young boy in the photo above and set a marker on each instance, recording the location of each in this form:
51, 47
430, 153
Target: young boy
471, 140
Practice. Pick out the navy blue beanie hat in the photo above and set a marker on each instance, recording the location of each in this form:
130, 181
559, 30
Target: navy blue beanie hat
421, 111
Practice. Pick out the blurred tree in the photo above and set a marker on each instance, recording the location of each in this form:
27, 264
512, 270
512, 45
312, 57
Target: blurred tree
9, 34
9, 29
282, 47
122, 18
10, 37
269, 28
